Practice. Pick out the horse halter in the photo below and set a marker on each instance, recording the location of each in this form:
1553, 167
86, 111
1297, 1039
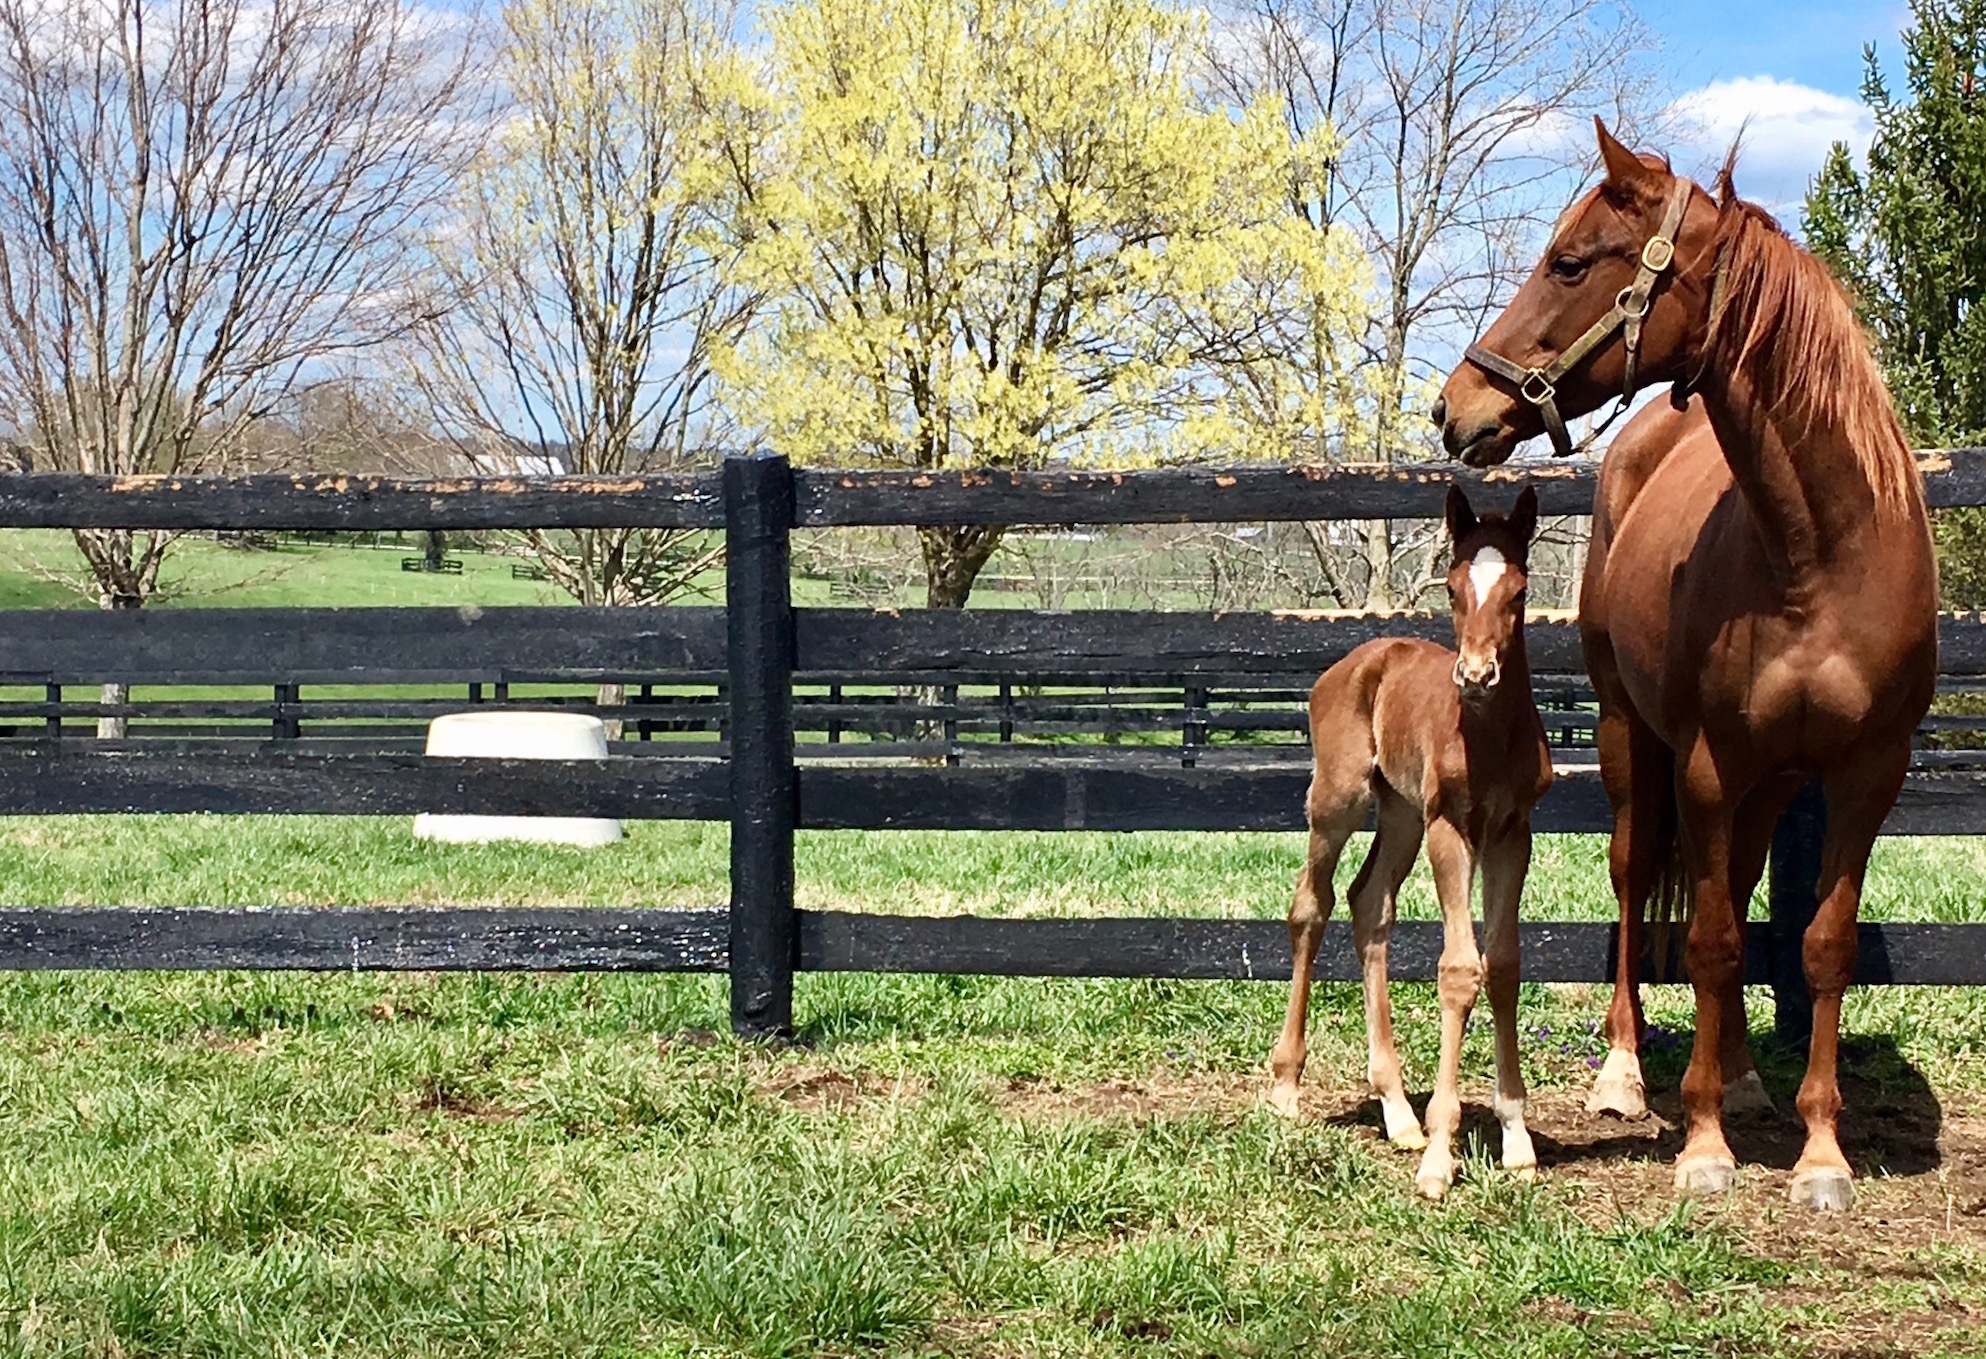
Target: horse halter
1539, 386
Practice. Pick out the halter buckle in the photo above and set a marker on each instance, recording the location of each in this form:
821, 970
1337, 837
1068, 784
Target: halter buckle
1658, 254
1545, 391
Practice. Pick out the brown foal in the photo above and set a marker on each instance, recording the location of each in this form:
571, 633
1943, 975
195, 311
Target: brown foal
1448, 746
1759, 606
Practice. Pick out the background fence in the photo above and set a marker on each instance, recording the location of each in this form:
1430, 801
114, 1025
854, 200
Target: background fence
776, 718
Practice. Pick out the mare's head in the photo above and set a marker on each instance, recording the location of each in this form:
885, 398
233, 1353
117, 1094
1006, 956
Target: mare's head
1486, 582
1593, 261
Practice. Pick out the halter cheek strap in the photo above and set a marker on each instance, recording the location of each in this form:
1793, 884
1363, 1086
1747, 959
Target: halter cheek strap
1539, 386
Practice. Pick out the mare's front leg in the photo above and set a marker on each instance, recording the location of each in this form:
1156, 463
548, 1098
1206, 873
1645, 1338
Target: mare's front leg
1858, 798
1715, 955
1330, 826
1506, 859
1637, 770
1460, 980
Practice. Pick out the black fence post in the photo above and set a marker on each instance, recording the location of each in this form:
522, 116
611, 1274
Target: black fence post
758, 604
1794, 896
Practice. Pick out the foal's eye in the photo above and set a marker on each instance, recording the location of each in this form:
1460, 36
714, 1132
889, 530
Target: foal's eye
1568, 268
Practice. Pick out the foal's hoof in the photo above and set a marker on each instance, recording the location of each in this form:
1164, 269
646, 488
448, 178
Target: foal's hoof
1619, 1090
1746, 1098
1403, 1130
1431, 1181
1706, 1176
1282, 1098
1825, 1189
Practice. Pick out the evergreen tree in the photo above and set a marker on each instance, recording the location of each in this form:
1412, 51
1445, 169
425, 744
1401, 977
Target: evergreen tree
1907, 235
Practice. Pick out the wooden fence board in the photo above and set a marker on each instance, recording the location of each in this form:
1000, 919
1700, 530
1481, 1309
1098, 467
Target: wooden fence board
334, 502
586, 939
323, 939
331, 502
361, 785
1070, 793
687, 644
1241, 494
353, 646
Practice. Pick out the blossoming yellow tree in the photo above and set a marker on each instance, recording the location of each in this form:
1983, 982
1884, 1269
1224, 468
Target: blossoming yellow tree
988, 232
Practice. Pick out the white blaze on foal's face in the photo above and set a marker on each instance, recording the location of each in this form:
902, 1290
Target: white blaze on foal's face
1486, 568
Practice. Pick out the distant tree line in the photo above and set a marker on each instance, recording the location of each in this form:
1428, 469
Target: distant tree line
613, 236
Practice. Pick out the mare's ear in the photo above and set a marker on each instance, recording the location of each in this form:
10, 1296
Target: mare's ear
1461, 519
1626, 175
1524, 515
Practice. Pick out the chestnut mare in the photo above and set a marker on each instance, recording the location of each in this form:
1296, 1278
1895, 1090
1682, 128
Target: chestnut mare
1759, 607
1448, 745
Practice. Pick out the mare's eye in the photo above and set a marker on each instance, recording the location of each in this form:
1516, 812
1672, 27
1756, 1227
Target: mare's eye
1568, 268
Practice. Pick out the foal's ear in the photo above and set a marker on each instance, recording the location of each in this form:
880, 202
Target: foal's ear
1461, 519
1524, 515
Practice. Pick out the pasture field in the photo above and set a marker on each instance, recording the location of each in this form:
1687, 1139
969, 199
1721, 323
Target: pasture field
282, 1164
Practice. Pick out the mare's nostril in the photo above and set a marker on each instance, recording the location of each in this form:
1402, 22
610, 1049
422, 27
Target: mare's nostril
1438, 412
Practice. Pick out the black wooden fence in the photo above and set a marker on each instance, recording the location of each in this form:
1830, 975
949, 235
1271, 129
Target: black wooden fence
755, 702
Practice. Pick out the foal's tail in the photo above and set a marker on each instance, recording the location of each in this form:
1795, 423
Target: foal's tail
1671, 901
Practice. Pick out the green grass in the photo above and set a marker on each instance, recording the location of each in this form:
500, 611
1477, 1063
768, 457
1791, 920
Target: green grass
234, 1164
280, 1164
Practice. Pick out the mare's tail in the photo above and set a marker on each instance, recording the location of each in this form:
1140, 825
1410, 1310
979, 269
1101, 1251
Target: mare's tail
1671, 901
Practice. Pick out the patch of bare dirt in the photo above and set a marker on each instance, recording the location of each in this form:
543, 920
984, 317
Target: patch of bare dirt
816, 1090
1167, 1094
444, 1099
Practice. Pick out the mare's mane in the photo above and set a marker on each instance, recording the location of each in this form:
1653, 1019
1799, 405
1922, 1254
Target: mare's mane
1784, 324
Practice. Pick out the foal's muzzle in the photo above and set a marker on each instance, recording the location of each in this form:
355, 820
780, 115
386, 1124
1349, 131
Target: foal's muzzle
1477, 675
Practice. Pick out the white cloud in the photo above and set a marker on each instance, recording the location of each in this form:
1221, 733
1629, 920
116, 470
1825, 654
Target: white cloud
1788, 128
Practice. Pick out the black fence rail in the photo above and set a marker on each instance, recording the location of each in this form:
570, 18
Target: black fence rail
778, 719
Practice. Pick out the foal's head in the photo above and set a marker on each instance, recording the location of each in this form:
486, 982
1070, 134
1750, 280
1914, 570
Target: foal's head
1486, 585
1590, 266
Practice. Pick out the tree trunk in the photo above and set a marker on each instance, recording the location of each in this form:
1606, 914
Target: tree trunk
613, 696
115, 728
437, 548
1582, 536
953, 559
1379, 563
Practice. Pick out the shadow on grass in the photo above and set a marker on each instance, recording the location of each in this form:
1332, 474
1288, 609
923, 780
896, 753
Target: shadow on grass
1890, 1122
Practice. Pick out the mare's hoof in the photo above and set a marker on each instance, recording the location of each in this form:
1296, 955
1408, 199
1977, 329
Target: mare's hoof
1746, 1098
1527, 1173
1282, 1098
1706, 1176
1825, 1189
1619, 1090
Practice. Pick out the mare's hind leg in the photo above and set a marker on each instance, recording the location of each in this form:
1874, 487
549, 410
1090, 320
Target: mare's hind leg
1336, 810
1373, 898
1505, 862
1858, 798
1460, 980
1638, 771
1751, 843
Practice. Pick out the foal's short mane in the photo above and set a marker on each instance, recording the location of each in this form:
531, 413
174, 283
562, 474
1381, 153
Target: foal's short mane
1787, 327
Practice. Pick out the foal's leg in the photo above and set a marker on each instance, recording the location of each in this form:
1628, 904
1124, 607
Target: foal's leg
1637, 770
1373, 898
1334, 814
1461, 978
1716, 964
1858, 798
1505, 861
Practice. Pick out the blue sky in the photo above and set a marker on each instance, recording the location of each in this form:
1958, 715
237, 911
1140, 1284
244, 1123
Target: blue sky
1793, 67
